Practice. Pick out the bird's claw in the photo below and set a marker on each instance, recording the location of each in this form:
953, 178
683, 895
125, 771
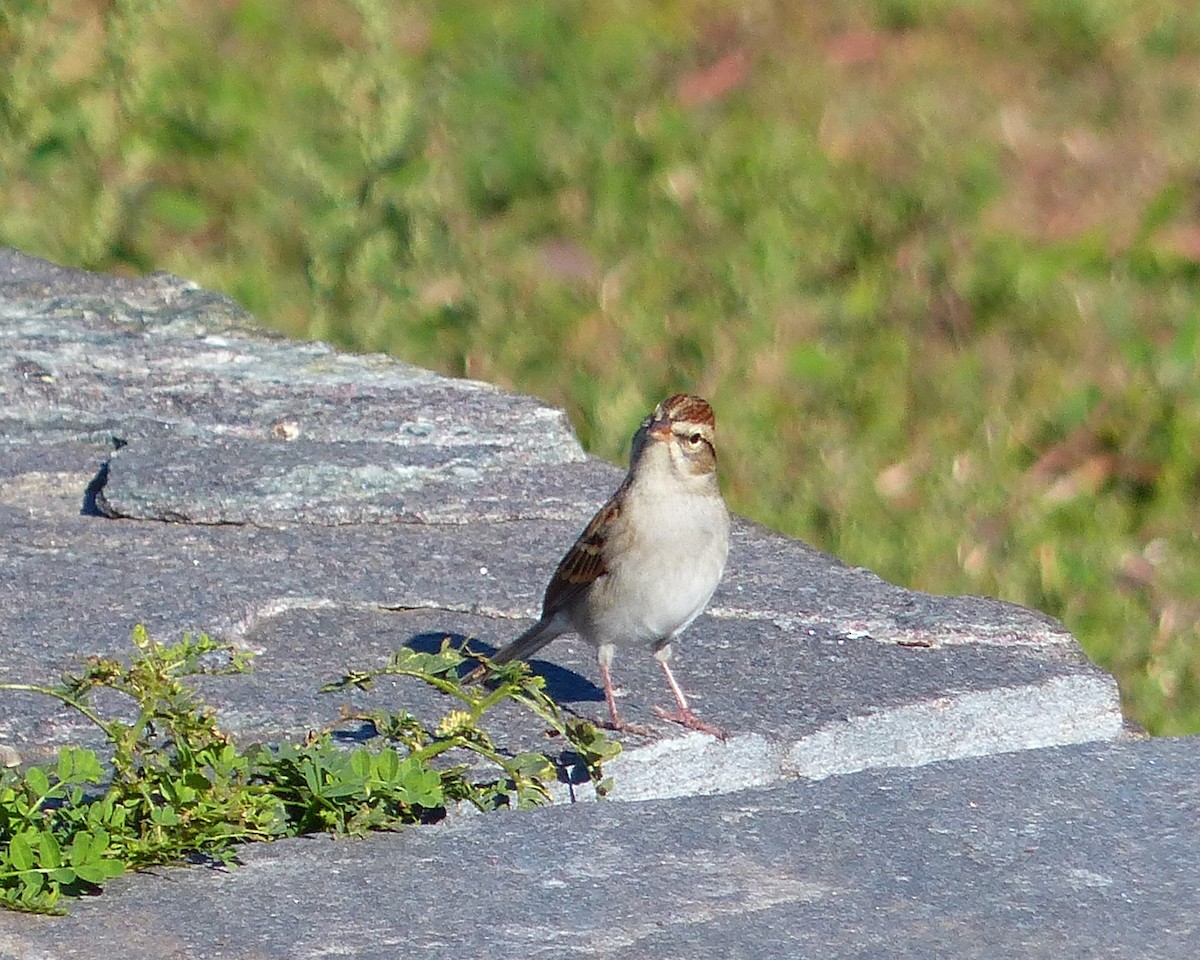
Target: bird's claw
687, 718
622, 726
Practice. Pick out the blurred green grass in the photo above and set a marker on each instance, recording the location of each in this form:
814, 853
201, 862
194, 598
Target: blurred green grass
937, 264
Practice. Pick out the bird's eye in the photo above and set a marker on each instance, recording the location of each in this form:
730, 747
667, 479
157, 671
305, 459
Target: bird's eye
695, 439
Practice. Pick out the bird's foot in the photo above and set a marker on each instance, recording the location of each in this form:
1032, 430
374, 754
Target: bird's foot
623, 726
688, 718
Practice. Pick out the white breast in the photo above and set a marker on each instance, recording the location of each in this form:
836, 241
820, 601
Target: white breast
659, 584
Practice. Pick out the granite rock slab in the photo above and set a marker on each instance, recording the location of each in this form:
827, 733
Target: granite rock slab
906, 775
165, 462
1069, 852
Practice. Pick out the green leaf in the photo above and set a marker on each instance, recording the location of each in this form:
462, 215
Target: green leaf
33, 882
38, 782
182, 793
312, 778
20, 853
387, 765
78, 766
87, 766
100, 871
435, 664
50, 852
65, 766
532, 765
81, 847
343, 788
418, 785
360, 762
106, 811
164, 816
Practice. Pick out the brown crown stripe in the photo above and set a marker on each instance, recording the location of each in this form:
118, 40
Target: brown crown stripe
683, 408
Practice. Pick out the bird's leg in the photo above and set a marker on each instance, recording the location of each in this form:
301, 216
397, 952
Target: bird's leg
609, 697
675, 687
684, 715
616, 723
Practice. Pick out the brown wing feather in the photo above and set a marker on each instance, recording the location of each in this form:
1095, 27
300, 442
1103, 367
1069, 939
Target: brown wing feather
584, 562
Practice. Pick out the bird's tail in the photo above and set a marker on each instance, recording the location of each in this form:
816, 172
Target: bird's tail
522, 648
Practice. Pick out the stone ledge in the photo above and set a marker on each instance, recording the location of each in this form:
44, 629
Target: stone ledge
326, 508
323, 509
1082, 851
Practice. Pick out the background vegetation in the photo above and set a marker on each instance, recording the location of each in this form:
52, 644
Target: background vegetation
936, 262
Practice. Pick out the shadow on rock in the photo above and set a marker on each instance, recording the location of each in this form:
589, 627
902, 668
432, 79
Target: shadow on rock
563, 685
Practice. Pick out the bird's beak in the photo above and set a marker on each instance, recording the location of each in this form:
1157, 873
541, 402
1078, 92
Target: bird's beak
660, 429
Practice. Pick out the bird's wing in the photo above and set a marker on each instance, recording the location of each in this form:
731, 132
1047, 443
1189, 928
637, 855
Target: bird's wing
585, 562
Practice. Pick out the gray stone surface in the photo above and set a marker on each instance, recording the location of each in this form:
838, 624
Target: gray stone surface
1071, 852
163, 461
325, 508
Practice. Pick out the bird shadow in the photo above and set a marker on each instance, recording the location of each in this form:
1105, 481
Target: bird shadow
562, 684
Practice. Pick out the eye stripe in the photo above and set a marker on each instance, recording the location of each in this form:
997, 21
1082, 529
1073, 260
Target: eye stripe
689, 433
696, 450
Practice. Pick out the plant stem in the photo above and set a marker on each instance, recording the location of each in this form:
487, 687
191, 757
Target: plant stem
63, 698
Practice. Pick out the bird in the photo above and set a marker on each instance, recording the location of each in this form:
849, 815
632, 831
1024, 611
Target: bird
648, 562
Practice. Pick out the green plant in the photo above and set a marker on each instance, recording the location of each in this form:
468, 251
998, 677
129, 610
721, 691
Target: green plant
525, 775
55, 839
177, 784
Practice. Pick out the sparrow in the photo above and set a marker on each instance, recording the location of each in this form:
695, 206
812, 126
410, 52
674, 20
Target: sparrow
646, 565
